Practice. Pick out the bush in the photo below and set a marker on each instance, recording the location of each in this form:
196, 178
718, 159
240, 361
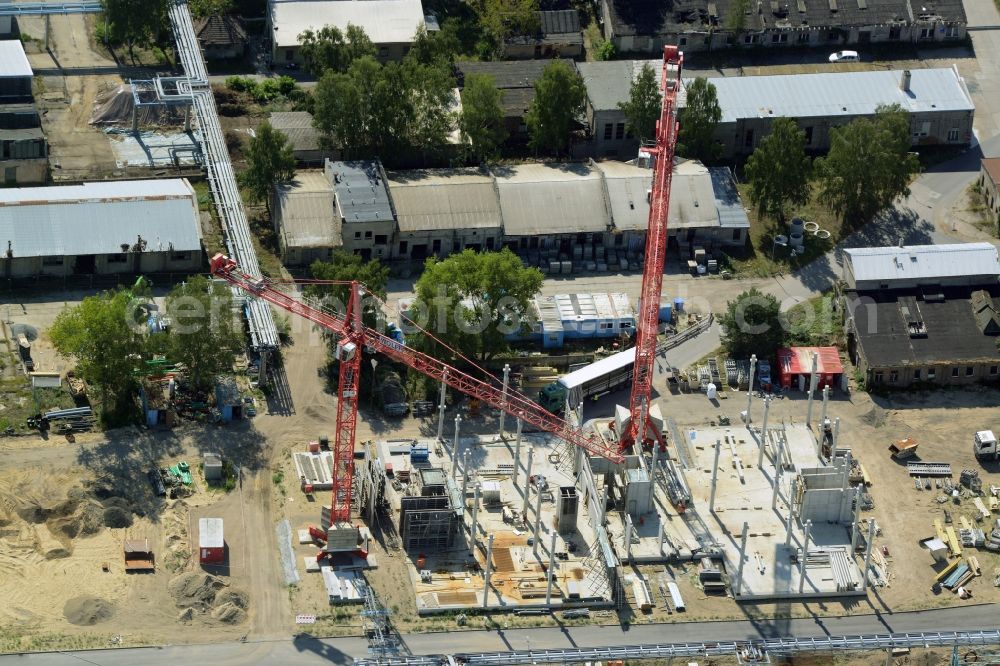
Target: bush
278, 477
241, 83
604, 50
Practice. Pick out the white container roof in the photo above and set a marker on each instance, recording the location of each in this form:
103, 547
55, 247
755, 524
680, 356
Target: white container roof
13, 62
384, 21
923, 261
210, 533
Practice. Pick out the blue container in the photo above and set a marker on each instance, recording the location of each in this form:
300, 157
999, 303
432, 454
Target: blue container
678, 305
666, 312
419, 454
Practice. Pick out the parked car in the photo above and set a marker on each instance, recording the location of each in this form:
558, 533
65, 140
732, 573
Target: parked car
764, 375
423, 407
249, 408
845, 56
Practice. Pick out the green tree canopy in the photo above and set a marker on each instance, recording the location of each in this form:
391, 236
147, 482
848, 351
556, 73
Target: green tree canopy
698, 122
330, 48
779, 169
869, 165
497, 289
481, 120
344, 267
644, 104
559, 99
752, 324
270, 161
501, 19
200, 8
394, 110
134, 22
104, 334
440, 46
203, 332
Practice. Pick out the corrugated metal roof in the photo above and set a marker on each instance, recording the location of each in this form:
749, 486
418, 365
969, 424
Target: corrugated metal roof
97, 218
551, 198
444, 199
608, 82
838, 94
729, 206
627, 186
361, 193
798, 360
560, 21
384, 21
992, 167
593, 306
923, 261
13, 62
305, 211
298, 127
210, 533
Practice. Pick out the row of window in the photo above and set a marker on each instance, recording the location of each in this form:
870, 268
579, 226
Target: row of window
918, 374
833, 36
923, 130
118, 258
618, 132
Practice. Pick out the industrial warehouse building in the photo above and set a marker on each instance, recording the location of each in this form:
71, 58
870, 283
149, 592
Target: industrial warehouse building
937, 102
24, 152
550, 214
923, 314
140, 226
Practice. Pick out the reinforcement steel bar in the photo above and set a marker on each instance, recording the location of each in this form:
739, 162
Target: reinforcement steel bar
773, 646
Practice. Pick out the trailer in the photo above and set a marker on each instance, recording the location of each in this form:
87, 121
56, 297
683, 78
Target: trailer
138, 555
598, 378
211, 541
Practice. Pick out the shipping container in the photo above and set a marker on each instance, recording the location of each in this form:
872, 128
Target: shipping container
211, 542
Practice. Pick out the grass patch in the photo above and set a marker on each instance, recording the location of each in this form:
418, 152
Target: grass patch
815, 323
757, 260
21, 401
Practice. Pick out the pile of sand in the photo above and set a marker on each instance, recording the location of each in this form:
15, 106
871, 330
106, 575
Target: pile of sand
87, 611
199, 592
115, 108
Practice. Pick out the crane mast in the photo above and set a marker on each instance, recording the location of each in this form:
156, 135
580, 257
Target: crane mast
353, 337
656, 248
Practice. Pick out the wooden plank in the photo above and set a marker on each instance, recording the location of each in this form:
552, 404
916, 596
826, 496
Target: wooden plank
947, 570
953, 543
983, 511
966, 525
864, 475
939, 528
973, 562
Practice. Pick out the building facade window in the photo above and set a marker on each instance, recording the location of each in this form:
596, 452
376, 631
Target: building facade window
381, 239
52, 261
779, 38
357, 235
916, 375
803, 38
609, 129
878, 377
954, 372
403, 247
895, 33
116, 258
809, 136
180, 256
926, 33
969, 370
931, 374
953, 134
893, 376
993, 369
368, 235
620, 131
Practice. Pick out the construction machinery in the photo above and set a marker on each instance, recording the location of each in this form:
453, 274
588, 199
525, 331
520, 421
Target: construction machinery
984, 445
648, 316
902, 449
354, 337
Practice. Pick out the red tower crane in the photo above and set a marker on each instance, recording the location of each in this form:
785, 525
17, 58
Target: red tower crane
353, 337
656, 249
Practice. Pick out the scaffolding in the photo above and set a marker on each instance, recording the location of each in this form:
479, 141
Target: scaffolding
427, 523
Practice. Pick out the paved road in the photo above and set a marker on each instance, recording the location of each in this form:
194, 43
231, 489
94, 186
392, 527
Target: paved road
344, 650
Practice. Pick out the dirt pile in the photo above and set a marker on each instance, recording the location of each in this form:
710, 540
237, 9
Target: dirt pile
199, 592
78, 515
87, 611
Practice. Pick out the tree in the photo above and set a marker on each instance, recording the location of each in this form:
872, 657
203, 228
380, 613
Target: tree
440, 46
868, 166
779, 169
736, 16
203, 334
333, 49
201, 8
269, 161
134, 22
345, 267
499, 20
104, 334
481, 120
642, 109
559, 99
698, 122
752, 324
496, 289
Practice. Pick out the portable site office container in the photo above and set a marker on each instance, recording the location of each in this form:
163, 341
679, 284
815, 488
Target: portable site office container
211, 542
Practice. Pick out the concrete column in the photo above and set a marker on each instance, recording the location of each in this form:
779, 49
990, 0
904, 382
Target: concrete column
715, 475
836, 435
527, 481
444, 388
791, 512
506, 381
552, 569
812, 390
454, 447
868, 555
538, 521
847, 472
763, 433
475, 519
517, 451
856, 520
652, 463
489, 570
738, 583
604, 502
802, 559
628, 538
774, 490
465, 480
826, 399
779, 460
753, 370
663, 536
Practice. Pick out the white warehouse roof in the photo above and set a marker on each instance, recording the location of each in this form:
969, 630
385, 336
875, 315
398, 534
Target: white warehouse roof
551, 199
384, 21
98, 218
839, 94
923, 261
13, 62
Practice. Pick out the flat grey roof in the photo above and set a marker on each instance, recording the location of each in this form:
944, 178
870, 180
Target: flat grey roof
839, 94
98, 218
384, 21
923, 261
732, 214
608, 82
306, 212
13, 61
362, 195
444, 199
551, 198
